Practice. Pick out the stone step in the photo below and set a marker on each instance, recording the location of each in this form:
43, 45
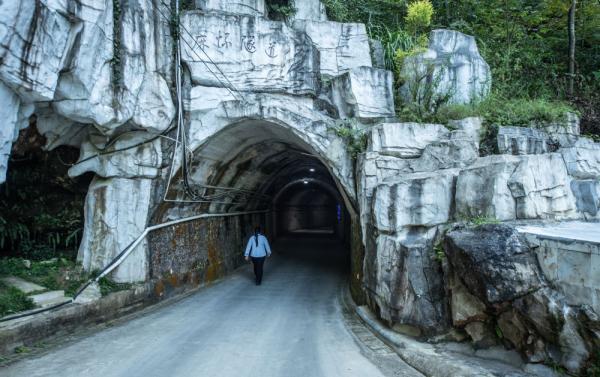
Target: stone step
23, 285
49, 298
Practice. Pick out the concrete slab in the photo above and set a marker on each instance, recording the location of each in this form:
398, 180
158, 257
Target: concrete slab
49, 298
571, 230
23, 285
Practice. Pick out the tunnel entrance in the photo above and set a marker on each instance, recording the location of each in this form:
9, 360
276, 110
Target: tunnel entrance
268, 174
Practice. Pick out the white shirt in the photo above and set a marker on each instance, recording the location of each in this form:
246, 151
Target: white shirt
261, 250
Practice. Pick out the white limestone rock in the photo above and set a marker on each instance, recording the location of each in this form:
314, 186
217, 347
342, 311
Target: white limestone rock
206, 98
9, 112
342, 47
587, 196
249, 7
522, 141
116, 213
583, 159
35, 39
252, 54
452, 65
89, 91
309, 10
363, 93
471, 127
406, 282
541, 188
482, 189
564, 133
58, 130
84, 93
406, 140
134, 155
420, 199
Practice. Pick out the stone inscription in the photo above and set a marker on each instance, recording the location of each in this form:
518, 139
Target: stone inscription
223, 41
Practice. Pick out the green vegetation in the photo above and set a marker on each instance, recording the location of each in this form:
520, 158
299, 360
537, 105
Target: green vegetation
526, 43
41, 208
438, 252
482, 220
280, 10
13, 301
54, 274
593, 368
354, 136
108, 286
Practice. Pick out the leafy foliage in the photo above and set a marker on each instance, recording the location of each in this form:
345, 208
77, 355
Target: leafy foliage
524, 41
41, 209
280, 10
419, 16
354, 136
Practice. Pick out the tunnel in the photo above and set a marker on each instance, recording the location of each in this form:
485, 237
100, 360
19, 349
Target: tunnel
271, 176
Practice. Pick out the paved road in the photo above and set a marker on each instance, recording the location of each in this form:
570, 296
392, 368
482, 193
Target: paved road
292, 325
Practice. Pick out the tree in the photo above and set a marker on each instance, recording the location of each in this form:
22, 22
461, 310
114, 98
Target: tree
572, 42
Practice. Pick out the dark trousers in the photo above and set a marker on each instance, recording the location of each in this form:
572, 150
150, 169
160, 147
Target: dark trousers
258, 268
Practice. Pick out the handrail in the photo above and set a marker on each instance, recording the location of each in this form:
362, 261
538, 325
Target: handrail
125, 253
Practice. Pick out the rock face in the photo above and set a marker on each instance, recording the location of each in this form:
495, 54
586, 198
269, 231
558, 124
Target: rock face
452, 67
342, 47
499, 269
359, 94
248, 53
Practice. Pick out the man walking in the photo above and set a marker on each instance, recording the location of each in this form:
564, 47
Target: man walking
257, 250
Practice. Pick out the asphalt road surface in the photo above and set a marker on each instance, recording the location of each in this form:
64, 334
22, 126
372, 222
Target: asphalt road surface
291, 325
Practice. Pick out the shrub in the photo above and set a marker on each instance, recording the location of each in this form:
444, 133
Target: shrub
419, 16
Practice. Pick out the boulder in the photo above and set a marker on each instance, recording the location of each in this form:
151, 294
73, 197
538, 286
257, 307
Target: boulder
481, 335
341, 47
482, 189
405, 282
522, 141
363, 93
116, 213
406, 140
494, 262
247, 53
465, 307
420, 199
455, 152
582, 159
453, 69
563, 133
541, 188
470, 127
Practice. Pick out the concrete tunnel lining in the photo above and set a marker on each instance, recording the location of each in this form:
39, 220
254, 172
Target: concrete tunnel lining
261, 157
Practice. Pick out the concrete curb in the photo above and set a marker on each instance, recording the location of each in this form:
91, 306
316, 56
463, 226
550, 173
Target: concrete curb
421, 356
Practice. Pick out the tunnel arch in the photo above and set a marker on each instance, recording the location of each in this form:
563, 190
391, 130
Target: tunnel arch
259, 149
250, 146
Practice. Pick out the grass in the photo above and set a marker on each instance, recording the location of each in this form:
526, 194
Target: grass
495, 110
54, 274
108, 286
13, 300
